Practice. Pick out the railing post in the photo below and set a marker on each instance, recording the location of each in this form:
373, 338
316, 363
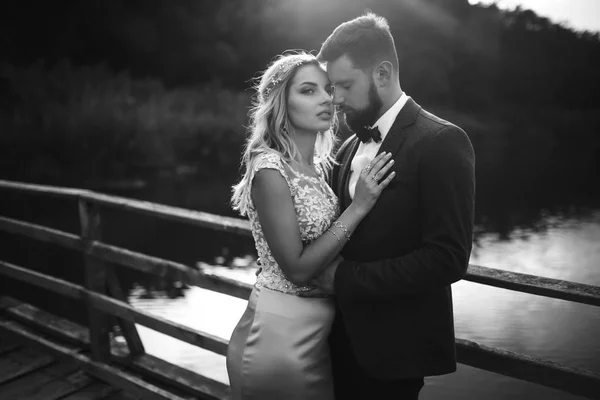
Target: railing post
136, 347
95, 280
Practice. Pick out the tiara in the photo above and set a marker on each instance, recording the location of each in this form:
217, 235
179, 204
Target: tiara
279, 73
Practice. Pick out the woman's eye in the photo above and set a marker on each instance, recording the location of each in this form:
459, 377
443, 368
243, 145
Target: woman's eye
308, 91
347, 86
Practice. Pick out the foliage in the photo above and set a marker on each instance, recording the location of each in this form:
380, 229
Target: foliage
88, 120
451, 53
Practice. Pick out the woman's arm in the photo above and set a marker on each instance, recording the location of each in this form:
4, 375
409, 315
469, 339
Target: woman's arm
277, 215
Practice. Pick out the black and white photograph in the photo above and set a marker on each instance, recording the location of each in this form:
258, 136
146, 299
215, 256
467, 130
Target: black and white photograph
300, 199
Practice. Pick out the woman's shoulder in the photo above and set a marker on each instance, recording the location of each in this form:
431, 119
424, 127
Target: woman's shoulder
270, 160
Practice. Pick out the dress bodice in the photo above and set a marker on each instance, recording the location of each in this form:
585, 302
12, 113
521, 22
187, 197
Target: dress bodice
316, 208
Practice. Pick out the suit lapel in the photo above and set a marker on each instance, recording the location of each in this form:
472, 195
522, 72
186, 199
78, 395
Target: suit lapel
392, 143
342, 189
406, 117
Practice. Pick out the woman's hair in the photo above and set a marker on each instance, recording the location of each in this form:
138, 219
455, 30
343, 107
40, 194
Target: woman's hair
270, 128
366, 40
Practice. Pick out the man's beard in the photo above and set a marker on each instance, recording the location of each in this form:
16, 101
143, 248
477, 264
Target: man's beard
356, 120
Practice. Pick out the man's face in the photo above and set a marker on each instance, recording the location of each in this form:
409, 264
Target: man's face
355, 93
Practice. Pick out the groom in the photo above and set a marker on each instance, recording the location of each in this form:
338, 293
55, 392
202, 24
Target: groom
394, 323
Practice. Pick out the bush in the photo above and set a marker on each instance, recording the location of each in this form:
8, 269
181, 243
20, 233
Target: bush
67, 122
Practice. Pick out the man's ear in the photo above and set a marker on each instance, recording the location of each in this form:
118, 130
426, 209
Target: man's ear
383, 73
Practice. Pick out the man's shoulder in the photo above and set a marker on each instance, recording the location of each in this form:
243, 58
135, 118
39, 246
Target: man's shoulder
428, 122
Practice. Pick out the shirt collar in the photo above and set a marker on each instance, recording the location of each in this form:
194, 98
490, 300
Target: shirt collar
385, 122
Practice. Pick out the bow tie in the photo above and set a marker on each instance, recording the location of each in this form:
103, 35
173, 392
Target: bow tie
366, 134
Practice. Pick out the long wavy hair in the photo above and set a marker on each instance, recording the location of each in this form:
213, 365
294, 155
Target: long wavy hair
270, 130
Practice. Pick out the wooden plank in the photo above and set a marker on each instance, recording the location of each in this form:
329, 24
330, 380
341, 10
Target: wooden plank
30, 385
171, 270
7, 302
538, 285
29, 188
114, 376
136, 347
224, 285
144, 263
123, 310
42, 280
576, 381
95, 281
48, 323
41, 233
58, 388
183, 379
22, 362
123, 396
147, 365
196, 218
95, 391
6, 348
170, 328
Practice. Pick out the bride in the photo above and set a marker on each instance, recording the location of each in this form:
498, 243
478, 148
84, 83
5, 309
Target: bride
278, 349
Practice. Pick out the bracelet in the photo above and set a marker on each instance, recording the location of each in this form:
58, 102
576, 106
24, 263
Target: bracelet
343, 228
337, 237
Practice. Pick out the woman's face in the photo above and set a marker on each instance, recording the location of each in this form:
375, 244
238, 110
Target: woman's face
310, 106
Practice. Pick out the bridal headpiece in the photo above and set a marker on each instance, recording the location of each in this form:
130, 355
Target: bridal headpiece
282, 70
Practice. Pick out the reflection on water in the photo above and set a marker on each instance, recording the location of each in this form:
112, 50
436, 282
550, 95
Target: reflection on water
568, 248
553, 329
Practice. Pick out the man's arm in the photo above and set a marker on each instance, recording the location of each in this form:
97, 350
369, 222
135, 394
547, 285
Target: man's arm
447, 193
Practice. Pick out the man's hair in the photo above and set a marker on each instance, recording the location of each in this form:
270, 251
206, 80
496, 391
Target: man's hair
366, 40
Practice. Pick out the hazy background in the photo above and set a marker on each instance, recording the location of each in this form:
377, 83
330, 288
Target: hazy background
148, 99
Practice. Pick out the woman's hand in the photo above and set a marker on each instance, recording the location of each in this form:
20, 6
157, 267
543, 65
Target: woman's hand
369, 185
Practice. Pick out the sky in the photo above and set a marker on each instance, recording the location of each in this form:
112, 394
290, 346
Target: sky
576, 14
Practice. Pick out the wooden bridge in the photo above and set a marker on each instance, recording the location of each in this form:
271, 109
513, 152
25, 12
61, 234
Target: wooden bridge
46, 357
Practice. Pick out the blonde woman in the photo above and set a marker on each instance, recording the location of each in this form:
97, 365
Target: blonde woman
279, 348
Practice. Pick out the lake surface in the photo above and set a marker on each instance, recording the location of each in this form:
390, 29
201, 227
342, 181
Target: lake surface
565, 248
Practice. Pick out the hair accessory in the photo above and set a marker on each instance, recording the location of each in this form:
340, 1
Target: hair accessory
284, 67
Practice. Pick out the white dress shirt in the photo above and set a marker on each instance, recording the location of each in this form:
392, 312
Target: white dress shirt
366, 152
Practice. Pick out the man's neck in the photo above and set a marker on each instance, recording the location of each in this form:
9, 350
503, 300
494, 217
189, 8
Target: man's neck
389, 101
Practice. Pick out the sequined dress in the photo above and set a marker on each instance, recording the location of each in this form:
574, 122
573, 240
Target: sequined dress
279, 348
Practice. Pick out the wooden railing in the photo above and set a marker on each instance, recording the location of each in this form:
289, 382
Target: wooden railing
101, 303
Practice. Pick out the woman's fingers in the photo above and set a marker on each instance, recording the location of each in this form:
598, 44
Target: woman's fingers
379, 161
373, 165
387, 180
377, 175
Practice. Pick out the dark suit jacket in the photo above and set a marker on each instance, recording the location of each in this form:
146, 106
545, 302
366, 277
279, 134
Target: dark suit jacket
393, 287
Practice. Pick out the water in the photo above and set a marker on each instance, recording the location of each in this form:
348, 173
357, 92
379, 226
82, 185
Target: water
564, 332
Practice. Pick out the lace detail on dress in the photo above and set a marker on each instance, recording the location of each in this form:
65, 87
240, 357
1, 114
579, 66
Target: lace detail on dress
316, 208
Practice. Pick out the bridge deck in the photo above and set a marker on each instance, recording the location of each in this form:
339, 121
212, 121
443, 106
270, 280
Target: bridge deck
28, 373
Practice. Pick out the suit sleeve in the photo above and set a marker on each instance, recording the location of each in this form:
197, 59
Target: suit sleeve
447, 202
